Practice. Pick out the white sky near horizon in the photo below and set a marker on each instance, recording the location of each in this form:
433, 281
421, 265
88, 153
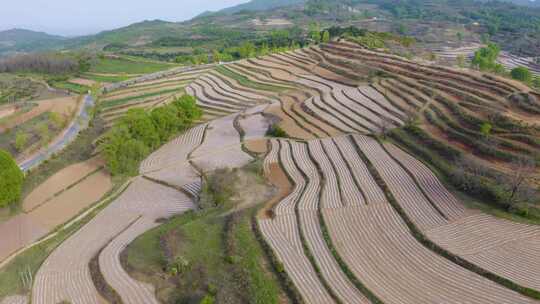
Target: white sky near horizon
72, 17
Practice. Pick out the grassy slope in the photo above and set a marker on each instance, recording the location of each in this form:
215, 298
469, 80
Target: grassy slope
123, 66
120, 101
225, 259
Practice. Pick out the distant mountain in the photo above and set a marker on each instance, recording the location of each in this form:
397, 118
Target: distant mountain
261, 5
21, 40
533, 3
136, 34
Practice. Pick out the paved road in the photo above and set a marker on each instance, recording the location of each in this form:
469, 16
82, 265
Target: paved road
79, 123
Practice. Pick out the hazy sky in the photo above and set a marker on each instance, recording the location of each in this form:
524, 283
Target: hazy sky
77, 17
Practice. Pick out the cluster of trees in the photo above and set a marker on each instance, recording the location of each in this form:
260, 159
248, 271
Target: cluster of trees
485, 59
47, 63
140, 132
11, 180
525, 75
276, 41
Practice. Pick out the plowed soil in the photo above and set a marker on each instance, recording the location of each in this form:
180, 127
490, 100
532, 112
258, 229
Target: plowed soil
60, 181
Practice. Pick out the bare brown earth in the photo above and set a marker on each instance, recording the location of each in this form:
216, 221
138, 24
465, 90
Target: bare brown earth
59, 182
50, 211
6, 112
63, 106
83, 81
287, 124
71, 202
18, 232
277, 177
256, 145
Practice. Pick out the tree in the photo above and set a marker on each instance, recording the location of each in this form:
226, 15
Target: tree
536, 82
315, 32
122, 152
460, 61
459, 36
11, 180
264, 50
44, 134
522, 74
216, 56
187, 105
141, 127
326, 37
515, 181
21, 139
166, 121
485, 59
247, 50
485, 129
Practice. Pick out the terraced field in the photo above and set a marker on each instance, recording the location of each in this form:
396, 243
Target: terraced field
361, 219
369, 236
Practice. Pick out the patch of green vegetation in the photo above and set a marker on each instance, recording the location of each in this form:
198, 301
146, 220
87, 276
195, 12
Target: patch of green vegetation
79, 150
16, 88
211, 254
124, 66
139, 132
11, 179
500, 192
38, 130
377, 40
243, 80
72, 87
120, 101
28, 262
485, 59
102, 78
276, 131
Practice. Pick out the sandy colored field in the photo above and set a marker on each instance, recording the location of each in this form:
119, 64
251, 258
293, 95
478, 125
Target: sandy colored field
277, 177
257, 145
63, 105
71, 202
83, 81
288, 124
60, 181
6, 112
17, 232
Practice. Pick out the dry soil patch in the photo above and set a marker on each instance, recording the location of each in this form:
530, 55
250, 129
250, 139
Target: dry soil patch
71, 202
82, 81
256, 145
64, 106
277, 177
60, 181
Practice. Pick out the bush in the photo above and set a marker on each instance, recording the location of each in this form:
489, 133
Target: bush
276, 131
208, 299
11, 179
140, 132
522, 74
485, 59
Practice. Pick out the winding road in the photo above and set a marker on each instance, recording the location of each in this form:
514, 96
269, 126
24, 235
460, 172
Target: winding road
79, 123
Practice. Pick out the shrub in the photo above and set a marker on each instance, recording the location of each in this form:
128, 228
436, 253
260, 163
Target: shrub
208, 299
11, 179
276, 131
521, 74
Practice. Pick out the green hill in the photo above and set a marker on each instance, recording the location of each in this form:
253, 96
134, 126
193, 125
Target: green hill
20, 40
